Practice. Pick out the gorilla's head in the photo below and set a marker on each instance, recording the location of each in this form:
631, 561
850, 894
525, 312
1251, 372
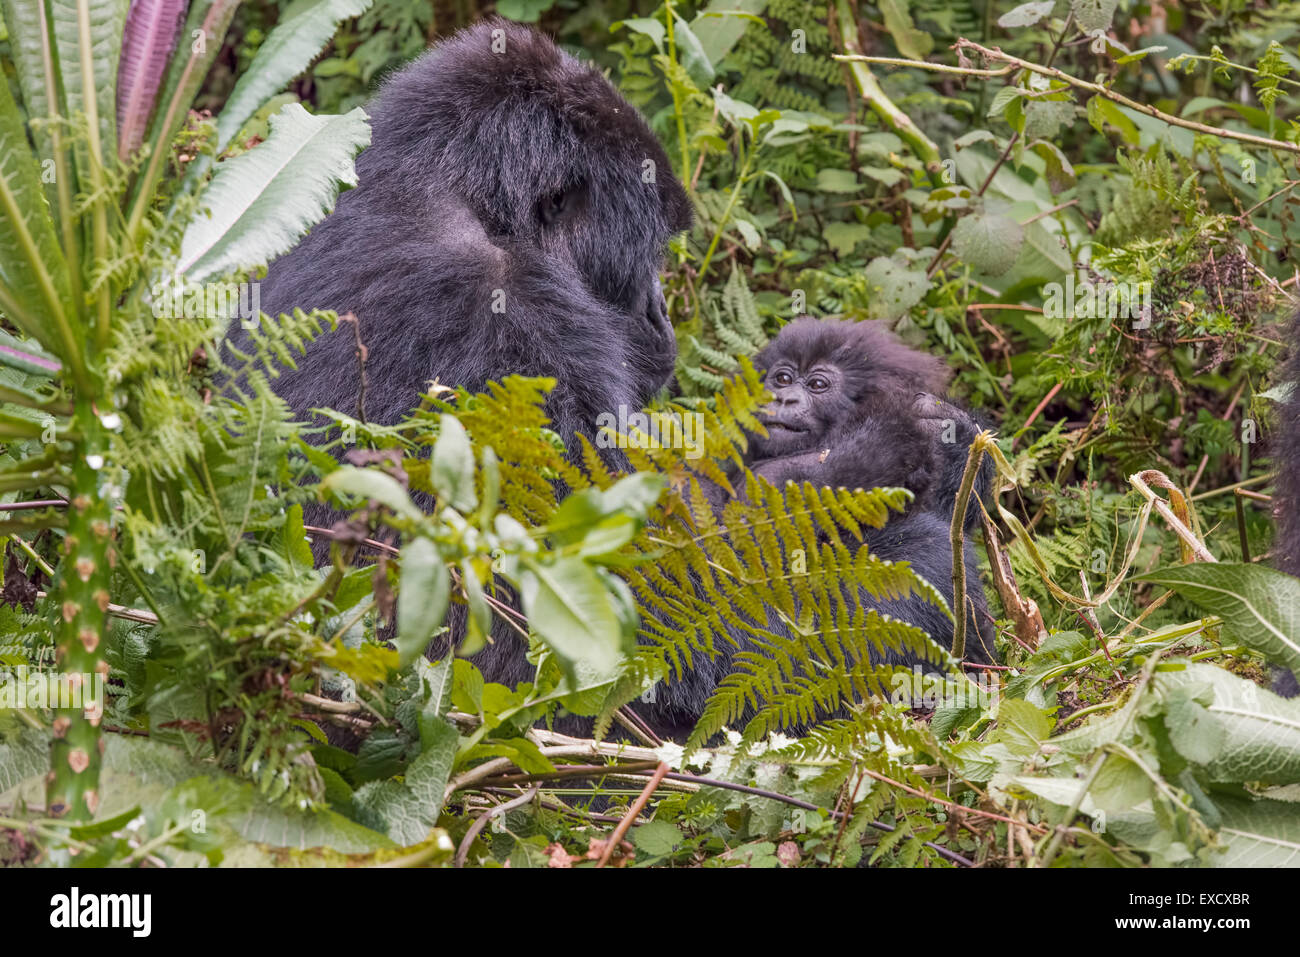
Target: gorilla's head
542, 150
823, 372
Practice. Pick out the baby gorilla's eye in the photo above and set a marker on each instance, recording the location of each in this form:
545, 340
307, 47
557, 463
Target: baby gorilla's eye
782, 378
819, 383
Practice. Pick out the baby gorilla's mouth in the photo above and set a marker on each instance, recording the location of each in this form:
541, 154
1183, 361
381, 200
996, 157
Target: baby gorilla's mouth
782, 427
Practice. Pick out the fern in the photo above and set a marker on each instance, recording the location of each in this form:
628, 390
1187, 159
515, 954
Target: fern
734, 328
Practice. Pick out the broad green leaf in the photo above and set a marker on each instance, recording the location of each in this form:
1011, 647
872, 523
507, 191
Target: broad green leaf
652, 28
479, 623
31, 51
721, 24
1060, 172
1093, 15
524, 11
568, 605
452, 473
409, 807
1248, 733
837, 181
895, 286
24, 752
1258, 834
263, 201
303, 30
1260, 606
1044, 118
1121, 785
34, 282
988, 241
95, 27
842, 238
371, 484
883, 174
1102, 111
1026, 15
912, 43
423, 591
733, 110
691, 53
1021, 726
657, 837
973, 137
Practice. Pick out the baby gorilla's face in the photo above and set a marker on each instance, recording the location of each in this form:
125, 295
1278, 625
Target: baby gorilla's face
806, 402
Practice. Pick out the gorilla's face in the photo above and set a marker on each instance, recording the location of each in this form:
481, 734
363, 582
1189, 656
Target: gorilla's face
807, 399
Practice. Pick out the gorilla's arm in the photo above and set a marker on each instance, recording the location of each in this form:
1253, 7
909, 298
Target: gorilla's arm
871, 453
950, 430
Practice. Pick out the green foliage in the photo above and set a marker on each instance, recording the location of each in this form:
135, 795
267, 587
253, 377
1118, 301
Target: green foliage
1131, 716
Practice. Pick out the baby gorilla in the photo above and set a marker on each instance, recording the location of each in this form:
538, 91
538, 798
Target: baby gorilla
853, 407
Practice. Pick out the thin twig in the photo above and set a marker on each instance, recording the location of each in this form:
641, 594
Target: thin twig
996, 54
632, 813
481, 822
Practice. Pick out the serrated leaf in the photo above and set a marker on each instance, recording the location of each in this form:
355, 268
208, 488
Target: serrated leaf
263, 201
1260, 606
842, 238
1258, 834
988, 241
1093, 15
409, 807
1257, 733
896, 287
303, 30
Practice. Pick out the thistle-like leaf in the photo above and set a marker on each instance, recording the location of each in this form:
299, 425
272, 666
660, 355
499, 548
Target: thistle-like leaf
151, 30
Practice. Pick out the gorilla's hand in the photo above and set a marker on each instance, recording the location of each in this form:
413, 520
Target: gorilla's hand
655, 352
951, 430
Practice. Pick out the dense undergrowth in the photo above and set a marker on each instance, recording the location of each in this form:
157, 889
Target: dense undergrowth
1088, 207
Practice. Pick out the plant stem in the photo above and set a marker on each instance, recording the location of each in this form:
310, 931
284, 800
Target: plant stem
83, 599
1095, 88
957, 537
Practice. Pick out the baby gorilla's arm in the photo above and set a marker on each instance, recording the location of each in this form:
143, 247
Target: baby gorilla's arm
950, 430
888, 449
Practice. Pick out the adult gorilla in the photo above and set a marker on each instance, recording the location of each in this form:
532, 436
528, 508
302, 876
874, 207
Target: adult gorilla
511, 217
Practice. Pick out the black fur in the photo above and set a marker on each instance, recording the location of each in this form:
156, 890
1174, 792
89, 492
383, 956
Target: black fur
1286, 496
1286, 458
876, 423
513, 178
